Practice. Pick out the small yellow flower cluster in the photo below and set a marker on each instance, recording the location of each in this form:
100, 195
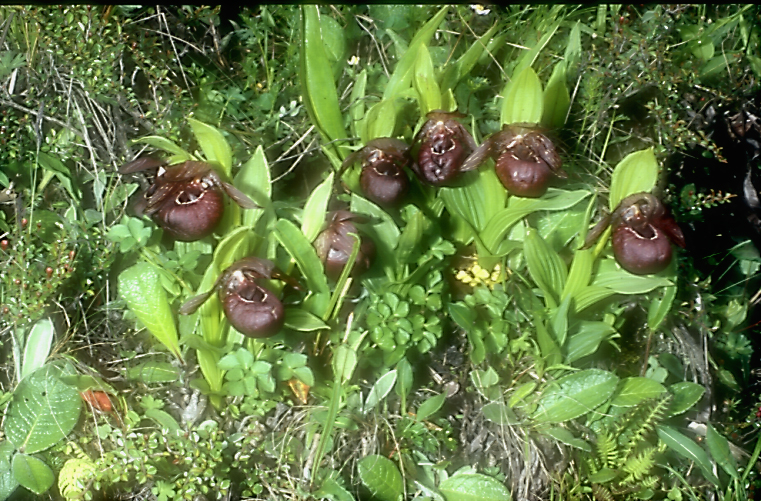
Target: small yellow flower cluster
475, 275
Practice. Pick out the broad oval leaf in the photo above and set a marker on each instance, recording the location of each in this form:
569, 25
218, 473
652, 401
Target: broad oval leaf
524, 102
686, 394
214, 145
381, 477
636, 173
574, 395
32, 473
42, 412
633, 390
473, 487
140, 286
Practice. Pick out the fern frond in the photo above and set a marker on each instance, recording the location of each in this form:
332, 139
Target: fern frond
646, 417
639, 465
601, 493
607, 450
75, 477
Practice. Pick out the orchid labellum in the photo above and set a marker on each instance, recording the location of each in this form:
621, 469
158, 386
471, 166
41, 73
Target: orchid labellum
186, 199
525, 160
335, 243
444, 146
642, 234
382, 178
250, 308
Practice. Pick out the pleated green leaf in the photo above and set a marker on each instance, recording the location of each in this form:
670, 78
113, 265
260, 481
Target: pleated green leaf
636, 173
140, 286
545, 266
213, 144
557, 100
524, 100
316, 209
424, 80
305, 257
317, 85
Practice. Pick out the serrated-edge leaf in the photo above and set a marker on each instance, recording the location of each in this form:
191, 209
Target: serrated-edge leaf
213, 144
636, 173
687, 448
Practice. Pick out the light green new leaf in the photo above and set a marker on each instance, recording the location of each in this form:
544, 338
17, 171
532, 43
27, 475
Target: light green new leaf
165, 144
557, 100
32, 473
633, 390
636, 173
424, 80
579, 274
575, 395
687, 448
213, 144
380, 121
473, 487
718, 446
316, 209
37, 348
357, 99
254, 180
524, 101
42, 412
382, 478
140, 286
401, 79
